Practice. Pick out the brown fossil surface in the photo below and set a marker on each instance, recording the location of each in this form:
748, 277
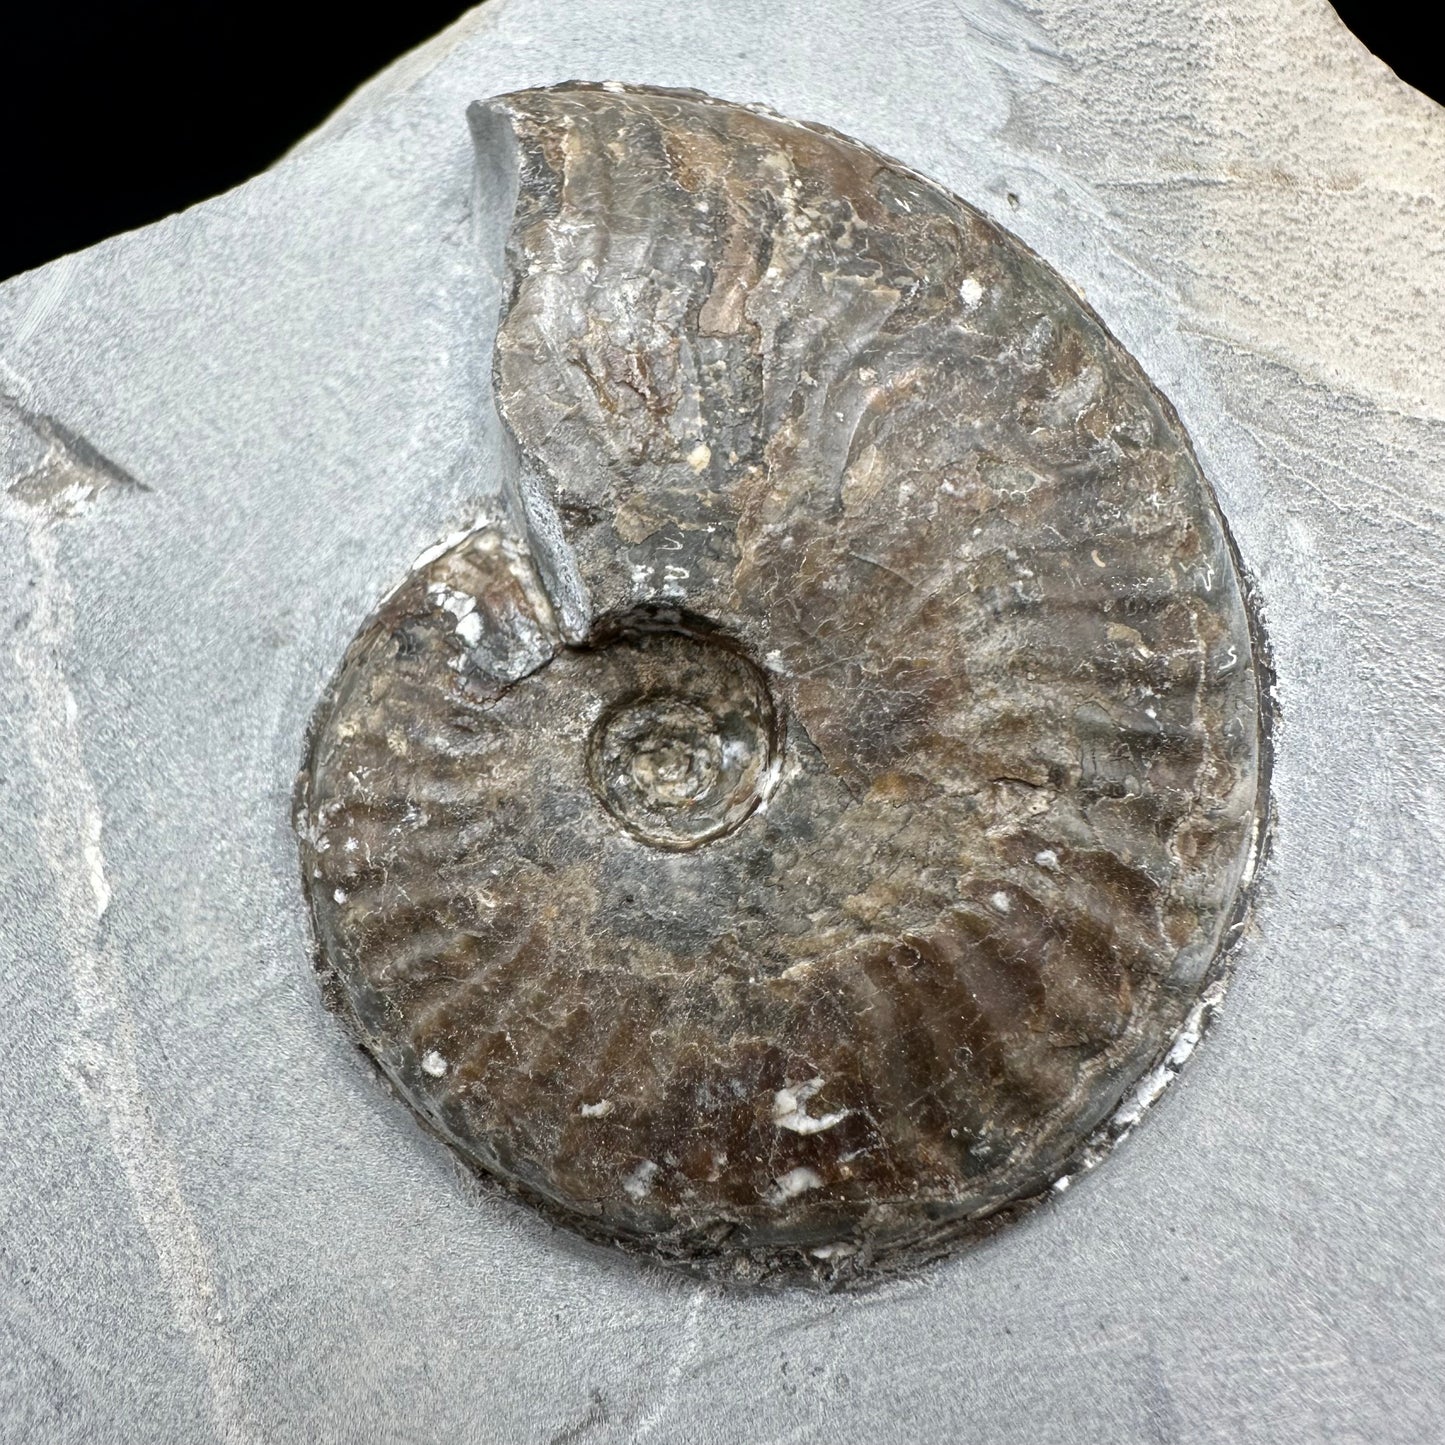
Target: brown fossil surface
781, 841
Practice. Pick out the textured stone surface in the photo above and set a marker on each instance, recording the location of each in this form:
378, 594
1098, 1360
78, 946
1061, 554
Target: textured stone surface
215, 1224
878, 598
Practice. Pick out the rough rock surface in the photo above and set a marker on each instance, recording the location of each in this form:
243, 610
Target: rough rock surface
796, 855
216, 1224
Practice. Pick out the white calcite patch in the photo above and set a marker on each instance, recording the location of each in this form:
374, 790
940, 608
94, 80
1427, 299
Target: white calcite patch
790, 1109
793, 1183
638, 1184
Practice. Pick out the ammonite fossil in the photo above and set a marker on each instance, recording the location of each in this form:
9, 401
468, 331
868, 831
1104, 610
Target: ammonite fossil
781, 839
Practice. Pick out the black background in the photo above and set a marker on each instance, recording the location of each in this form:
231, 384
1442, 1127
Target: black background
116, 114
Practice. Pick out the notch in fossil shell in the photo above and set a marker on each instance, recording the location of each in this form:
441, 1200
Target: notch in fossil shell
785, 847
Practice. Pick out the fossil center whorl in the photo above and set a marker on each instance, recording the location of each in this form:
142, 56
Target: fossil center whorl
657, 755
683, 755
783, 838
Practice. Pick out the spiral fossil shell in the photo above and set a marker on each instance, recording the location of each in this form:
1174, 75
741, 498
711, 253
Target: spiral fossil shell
785, 836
